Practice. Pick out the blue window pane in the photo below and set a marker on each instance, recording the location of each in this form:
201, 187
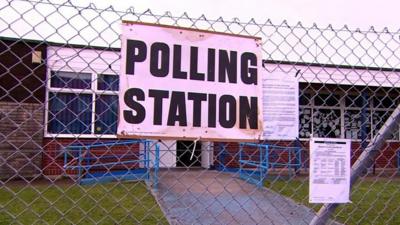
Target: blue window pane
106, 114
70, 113
61, 79
108, 82
357, 124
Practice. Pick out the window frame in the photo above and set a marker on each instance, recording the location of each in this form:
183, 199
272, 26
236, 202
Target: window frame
93, 91
314, 107
342, 107
357, 108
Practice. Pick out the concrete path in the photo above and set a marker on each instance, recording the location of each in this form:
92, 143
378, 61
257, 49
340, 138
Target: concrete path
213, 197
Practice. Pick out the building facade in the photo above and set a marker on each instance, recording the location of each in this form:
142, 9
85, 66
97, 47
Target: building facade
55, 96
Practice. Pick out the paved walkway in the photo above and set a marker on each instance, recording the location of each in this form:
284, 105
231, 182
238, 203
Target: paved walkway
212, 197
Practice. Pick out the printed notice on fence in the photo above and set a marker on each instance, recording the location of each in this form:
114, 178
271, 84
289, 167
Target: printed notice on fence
180, 83
280, 106
329, 170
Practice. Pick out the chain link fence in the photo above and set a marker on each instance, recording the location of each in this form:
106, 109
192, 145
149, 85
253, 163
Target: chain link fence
61, 162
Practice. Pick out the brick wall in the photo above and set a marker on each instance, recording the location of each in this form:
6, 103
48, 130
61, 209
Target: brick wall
21, 135
53, 155
387, 159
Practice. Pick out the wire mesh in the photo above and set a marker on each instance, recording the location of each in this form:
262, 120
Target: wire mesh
59, 66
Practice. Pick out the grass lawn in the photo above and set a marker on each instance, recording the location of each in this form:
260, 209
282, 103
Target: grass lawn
113, 203
375, 200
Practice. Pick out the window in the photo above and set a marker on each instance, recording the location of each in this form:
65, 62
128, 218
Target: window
383, 107
70, 113
326, 100
357, 124
82, 103
305, 128
320, 115
353, 114
357, 116
108, 82
106, 114
326, 123
305, 123
326, 115
62, 79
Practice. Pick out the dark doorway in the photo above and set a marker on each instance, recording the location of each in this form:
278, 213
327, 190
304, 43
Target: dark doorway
184, 151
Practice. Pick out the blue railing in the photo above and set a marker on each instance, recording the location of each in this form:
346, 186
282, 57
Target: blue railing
398, 161
92, 168
223, 157
255, 162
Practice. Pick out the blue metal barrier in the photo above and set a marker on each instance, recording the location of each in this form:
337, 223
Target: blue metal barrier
222, 162
398, 161
253, 166
110, 167
156, 167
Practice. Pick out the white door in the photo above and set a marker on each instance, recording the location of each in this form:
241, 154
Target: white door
167, 153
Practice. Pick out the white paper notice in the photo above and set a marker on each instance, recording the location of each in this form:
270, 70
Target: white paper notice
280, 106
329, 170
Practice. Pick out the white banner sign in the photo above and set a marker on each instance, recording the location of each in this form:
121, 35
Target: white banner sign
329, 170
189, 84
281, 106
